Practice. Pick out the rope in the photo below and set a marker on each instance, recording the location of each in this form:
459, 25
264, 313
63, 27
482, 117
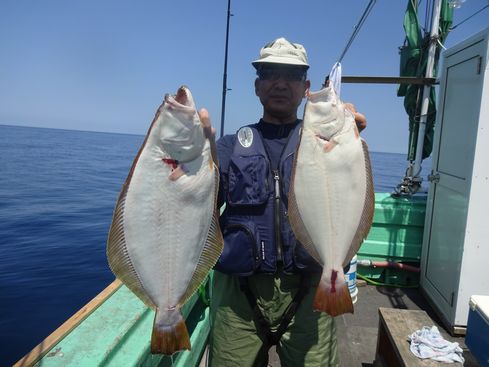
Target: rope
356, 29
373, 282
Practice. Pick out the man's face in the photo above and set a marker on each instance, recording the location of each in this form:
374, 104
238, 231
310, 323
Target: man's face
281, 89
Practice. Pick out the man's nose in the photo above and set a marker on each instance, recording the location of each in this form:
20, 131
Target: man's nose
280, 83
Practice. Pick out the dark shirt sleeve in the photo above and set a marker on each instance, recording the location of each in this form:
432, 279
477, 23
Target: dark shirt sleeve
225, 147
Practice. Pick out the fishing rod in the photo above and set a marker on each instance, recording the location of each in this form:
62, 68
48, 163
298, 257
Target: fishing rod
335, 74
225, 75
357, 28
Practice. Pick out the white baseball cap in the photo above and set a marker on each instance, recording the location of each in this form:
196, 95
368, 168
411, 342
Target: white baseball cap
282, 51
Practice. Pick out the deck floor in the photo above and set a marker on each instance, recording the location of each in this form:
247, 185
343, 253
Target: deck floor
357, 333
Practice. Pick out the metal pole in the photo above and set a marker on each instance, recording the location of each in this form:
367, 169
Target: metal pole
225, 75
427, 88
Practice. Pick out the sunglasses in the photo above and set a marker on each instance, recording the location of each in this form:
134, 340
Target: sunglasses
289, 75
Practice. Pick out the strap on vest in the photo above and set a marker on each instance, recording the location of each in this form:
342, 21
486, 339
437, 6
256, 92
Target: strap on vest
273, 337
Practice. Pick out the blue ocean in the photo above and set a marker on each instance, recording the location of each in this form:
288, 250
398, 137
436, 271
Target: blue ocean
57, 192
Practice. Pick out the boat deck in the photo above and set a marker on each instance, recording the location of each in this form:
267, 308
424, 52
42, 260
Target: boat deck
357, 333
81, 342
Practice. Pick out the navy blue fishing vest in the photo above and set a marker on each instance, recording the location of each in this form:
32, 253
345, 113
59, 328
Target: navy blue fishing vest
256, 230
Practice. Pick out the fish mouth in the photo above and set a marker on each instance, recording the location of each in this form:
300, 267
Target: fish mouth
181, 100
180, 130
182, 95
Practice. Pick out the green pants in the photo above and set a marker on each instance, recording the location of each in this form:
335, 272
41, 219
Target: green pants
310, 339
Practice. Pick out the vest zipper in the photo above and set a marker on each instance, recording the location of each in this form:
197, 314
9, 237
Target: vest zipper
276, 178
276, 213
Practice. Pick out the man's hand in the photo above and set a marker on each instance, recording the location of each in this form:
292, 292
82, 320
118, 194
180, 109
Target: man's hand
209, 132
359, 118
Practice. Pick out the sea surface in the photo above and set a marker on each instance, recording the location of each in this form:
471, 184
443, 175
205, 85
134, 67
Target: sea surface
57, 192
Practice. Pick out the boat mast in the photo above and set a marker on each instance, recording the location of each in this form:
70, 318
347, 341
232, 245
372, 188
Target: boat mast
412, 179
416, 166
225, 75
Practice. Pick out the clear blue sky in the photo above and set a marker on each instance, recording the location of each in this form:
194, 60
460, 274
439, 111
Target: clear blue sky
106, 65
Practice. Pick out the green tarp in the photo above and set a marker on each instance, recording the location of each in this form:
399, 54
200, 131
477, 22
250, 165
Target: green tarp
414, 55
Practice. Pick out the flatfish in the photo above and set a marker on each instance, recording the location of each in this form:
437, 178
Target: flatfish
165, 235
331, 200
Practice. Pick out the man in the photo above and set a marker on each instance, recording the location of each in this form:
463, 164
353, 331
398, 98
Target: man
264, 281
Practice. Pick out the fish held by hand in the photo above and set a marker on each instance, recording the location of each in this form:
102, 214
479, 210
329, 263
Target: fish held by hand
165, 235
331, 200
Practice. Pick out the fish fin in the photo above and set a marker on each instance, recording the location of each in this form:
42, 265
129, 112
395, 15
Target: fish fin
119, 260
368, 209
169, 333
296, 222
332, 295
214, 244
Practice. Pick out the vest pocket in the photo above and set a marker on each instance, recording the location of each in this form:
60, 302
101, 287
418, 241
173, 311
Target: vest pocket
248, 180
240, 255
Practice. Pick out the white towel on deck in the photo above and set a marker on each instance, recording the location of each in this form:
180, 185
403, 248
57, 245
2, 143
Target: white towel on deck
428, 343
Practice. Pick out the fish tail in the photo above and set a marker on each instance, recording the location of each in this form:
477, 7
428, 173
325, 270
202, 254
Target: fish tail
169, 332
332, 294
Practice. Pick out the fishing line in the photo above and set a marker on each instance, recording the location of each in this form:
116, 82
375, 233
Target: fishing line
466, 19
356, 29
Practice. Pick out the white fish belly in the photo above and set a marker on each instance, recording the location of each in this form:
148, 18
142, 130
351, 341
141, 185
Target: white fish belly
330, 189
166, 224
